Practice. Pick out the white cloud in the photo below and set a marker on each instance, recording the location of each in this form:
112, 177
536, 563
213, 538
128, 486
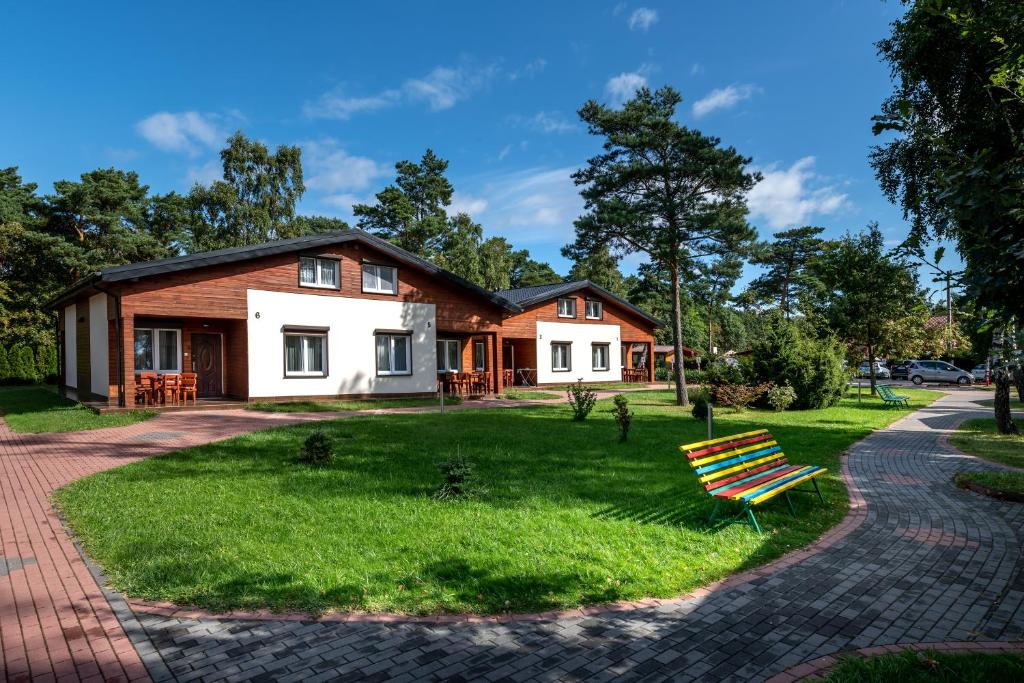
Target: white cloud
546, 122
642, 19
722, 98
332, 169
440, 89
529, 71
789, 197
504, 152
207, 173
182, 132
696, 69
622, 87
533, 206
464, 203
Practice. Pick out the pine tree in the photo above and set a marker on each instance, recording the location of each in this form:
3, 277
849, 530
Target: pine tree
5, 366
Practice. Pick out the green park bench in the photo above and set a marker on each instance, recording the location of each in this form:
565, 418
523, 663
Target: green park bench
886, 393
747, 469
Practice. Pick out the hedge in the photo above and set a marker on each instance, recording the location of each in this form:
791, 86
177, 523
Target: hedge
21, 364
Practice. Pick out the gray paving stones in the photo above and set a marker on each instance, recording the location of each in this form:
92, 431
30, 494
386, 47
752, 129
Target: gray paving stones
929, 563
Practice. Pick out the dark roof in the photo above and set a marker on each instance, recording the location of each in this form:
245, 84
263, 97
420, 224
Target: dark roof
133, 271
530, 296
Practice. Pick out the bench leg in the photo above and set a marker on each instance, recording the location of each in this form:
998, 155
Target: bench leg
753, 519
714, 513
817, 490
789, 502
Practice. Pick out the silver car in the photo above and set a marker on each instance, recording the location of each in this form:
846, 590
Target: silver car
921, 371
979, 372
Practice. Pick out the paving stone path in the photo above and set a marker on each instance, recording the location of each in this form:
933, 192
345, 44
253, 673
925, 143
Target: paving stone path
919, 561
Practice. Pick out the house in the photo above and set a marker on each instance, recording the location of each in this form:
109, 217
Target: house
665, 355
575, 330
329, 315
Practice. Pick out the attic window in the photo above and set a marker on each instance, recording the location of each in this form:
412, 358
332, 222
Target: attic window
567, 307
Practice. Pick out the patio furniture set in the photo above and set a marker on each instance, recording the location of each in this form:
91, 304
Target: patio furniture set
165, 389
466, 383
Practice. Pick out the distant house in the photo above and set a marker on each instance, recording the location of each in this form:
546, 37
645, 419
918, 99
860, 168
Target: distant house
665, 354
575, 330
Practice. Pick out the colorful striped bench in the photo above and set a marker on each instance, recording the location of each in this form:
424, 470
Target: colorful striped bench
750, 469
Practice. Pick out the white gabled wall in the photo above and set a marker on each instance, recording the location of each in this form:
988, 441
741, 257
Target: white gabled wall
582, 336
71, 346
351, 351
99, 351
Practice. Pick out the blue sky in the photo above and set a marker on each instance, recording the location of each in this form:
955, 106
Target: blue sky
491, 87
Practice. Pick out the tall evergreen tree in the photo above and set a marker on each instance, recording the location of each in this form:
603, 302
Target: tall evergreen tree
663, 190
460, 248
786, 280
600, 267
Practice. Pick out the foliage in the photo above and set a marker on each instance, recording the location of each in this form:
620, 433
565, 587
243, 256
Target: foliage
36, 409
23, 364
460, 480
789, 355
317, 449
710, 288
663, 190
599, 266
1002, 378
954, 157
623, 416
581, 400
787, 281
738, 396
700, 405
555, 495
5, 366
780, 397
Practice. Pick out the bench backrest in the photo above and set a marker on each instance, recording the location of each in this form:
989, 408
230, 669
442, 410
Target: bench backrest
884, 391
730, 458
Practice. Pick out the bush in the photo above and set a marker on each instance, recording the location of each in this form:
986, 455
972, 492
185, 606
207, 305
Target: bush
5, 367
623, 416
318, 449
700, 406
46, 363
662, 373
738, 396
785, 354
581, 400
23, 363
460, 480
780, 397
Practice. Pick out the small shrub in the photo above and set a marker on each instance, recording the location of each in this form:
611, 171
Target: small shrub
787, 353
5, 367
737, 396
662, 373
460, 480
581, 400
318, 449
700, 406
623, 416
781, 397
23, 363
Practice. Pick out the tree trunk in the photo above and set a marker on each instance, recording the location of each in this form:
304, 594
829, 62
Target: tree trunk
679, 372
871, 368
1018, 379
1004, 419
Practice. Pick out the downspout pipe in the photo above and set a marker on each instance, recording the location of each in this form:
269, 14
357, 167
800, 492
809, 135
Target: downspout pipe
119, 335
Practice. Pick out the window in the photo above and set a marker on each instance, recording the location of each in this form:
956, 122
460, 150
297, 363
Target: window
561, 357
449, 355
305, 355
479, 356
158, 350
318, 272
380, 279
393, 354
594, 310
567, 308
599, 354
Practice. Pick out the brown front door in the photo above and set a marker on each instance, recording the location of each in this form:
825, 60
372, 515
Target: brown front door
206, 363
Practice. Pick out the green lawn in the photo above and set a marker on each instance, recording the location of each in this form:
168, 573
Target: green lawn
36, 409
369, 404
529, 395
1015, 403
572, 516
979, 438
1005, 482
930, 667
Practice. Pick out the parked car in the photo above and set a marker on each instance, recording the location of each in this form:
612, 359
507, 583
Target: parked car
979, 372
900, 370
937, 371
881, 372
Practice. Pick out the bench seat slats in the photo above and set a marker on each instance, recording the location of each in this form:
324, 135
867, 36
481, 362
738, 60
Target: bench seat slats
775, 487
711, 450
738, 459
719, 483
752, 483
790, 483
727, 455
722, 439
736, 468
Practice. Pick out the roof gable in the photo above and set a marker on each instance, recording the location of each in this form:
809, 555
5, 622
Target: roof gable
531, 296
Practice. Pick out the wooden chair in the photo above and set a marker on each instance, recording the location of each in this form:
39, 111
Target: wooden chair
145, 388
170, 388
189, 383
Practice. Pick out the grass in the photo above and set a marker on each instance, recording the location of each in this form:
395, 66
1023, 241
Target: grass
990, 402
1002, 482
930, 667
331, 406
37, 409
572, 516
980, 438
528, 395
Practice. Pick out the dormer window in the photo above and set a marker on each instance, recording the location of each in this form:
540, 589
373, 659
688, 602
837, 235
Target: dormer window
567, 307
379, 279
594, 310
315, 271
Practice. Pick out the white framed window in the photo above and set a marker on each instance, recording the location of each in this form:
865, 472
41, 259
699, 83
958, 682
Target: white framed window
380, 279
449, 355
394, 354
319, 272
567, 307
479, 356
305, 355
599, 355
594, 310
561, 357
157, 350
